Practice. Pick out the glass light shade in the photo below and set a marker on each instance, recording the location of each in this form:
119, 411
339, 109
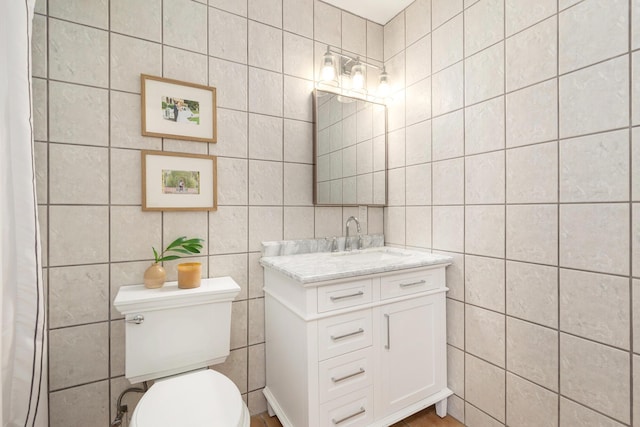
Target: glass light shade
383, 87
357, 76
328, 72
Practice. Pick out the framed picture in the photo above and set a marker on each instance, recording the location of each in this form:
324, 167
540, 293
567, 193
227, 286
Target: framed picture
178, 181
179, 110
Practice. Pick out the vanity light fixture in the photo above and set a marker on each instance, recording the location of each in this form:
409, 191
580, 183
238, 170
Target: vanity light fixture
348, 75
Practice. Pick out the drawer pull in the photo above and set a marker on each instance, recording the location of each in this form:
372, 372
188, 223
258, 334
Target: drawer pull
388, 344
348, 417
350, 334
357, 294
419, 282
346, 377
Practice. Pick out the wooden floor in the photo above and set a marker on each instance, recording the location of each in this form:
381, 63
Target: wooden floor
425, 418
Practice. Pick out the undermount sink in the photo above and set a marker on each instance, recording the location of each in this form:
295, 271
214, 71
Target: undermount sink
372, 253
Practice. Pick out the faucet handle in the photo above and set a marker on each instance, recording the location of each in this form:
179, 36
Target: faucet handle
334, 244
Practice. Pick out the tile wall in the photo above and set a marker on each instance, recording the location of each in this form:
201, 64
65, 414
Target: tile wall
87, 59
514, 148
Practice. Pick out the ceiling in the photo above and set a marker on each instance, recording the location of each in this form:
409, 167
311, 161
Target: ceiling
380, 11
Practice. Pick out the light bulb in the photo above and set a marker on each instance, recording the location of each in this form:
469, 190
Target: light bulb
383, 87
357, 77
328, 72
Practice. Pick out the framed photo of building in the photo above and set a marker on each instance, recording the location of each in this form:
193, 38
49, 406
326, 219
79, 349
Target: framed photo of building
177, 109
178, 181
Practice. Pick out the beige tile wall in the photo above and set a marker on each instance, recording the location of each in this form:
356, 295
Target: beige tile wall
87, 58
527, 114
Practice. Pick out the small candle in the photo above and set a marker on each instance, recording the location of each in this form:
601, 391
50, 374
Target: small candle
189, 274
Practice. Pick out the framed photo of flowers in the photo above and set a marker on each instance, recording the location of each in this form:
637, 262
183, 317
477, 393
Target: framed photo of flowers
177, 109
179, 181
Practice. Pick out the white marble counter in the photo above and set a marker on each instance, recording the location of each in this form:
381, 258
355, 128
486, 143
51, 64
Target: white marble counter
321, 266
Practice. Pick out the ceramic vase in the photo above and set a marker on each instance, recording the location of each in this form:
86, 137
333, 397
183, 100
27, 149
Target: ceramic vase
154, 276
189, 274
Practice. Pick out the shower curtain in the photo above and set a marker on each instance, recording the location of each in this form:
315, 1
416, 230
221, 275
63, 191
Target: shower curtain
22, 315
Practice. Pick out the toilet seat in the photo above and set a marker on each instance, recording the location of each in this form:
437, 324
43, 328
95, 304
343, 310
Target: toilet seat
197, 399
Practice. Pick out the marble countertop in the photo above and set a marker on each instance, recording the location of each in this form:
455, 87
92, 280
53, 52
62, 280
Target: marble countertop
321, 266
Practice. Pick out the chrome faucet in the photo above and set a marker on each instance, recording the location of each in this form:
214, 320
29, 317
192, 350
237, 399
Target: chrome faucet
347, 243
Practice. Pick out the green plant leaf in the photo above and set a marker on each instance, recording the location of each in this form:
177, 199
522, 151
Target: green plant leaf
168, 258
178, 242
181, 251
193, 242
155, 253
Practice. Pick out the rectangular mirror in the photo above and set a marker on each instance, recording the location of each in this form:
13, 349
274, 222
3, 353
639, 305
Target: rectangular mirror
350, 151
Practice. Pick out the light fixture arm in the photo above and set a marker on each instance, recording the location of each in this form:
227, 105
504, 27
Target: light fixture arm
350, 58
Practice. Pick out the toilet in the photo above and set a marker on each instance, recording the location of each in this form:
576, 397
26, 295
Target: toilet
172, 336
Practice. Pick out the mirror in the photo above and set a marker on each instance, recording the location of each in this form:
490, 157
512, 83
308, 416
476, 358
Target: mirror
350, 151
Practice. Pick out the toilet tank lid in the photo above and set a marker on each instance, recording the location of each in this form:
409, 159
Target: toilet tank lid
137, 298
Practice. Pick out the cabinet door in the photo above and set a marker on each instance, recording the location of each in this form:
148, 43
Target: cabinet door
413, 363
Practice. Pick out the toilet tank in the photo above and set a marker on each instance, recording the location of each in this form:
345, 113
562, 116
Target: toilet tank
171, 330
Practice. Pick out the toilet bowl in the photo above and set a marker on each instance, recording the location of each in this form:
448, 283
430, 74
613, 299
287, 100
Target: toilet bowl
203, 398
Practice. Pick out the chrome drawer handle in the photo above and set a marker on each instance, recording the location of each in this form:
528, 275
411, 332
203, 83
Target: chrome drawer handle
357, 294
137, 319
350, 334
419, 282
346, 377
388, 344
348, 417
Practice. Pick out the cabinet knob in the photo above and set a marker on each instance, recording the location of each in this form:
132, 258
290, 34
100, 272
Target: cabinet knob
137, 319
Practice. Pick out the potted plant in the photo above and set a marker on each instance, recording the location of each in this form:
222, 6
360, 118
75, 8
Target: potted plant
155, 275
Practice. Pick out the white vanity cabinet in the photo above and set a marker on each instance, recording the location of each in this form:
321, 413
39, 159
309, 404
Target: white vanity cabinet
358, 351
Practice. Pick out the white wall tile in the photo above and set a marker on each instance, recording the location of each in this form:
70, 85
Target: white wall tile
298, 184
485, 230
485, 387
233, 6
93, 398
417, 20
448, 90
532, 352
298, 223
418, 102
258, 216
298, 141
39, 47
595, 306
375, 45
448, 182
418, 143
635, 24
485, 178
532, 114
189, 224
297, 16
265, 137
265, 92
448, 228
235, 368
131, 57
484, 282
298, 56
583, 92
40, 157
94, 13
485, 334
184, 65
326, 23
532, 292
328, 221
125, 124
265, 182
234, 266
592, 31
483, 25
228, 230
133, 232
485, 126
532, 174
587, 380
138, 18
396, 182
484, 74
418, 184
574, 414
227, 36
447, 44
530, 405
455, 370
605, 248
231, 82
448, 135
475, 417
354, 34
82, 230
418, 223
635, 309
520, 14
418, 61
239, 321
265, 46
266, 11
532, 233
396, 149
40, 110
297, 99
532, 55
79, 175
394, 225
635, 164
595, 168
635, 238
81, 114
394, 33
455, 323
443, 10
78, 295
233, 136
181, 14
78, 355
455, 275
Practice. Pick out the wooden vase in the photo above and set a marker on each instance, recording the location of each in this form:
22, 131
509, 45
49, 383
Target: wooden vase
189, 275
154, 276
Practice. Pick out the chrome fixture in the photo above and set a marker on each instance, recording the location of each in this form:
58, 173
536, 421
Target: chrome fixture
348, 76
347, 242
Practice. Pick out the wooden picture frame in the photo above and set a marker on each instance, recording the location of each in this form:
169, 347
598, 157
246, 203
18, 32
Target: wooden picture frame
179, 181
177, 109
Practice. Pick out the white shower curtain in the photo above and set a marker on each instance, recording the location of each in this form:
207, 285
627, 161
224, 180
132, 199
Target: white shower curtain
22, 315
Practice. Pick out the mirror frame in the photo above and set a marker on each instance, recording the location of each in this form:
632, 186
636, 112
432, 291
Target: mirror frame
315, 151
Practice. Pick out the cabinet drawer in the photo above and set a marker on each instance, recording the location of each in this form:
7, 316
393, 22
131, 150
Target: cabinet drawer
353, 410
344, 295
345, 374
344, 333
411, 283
